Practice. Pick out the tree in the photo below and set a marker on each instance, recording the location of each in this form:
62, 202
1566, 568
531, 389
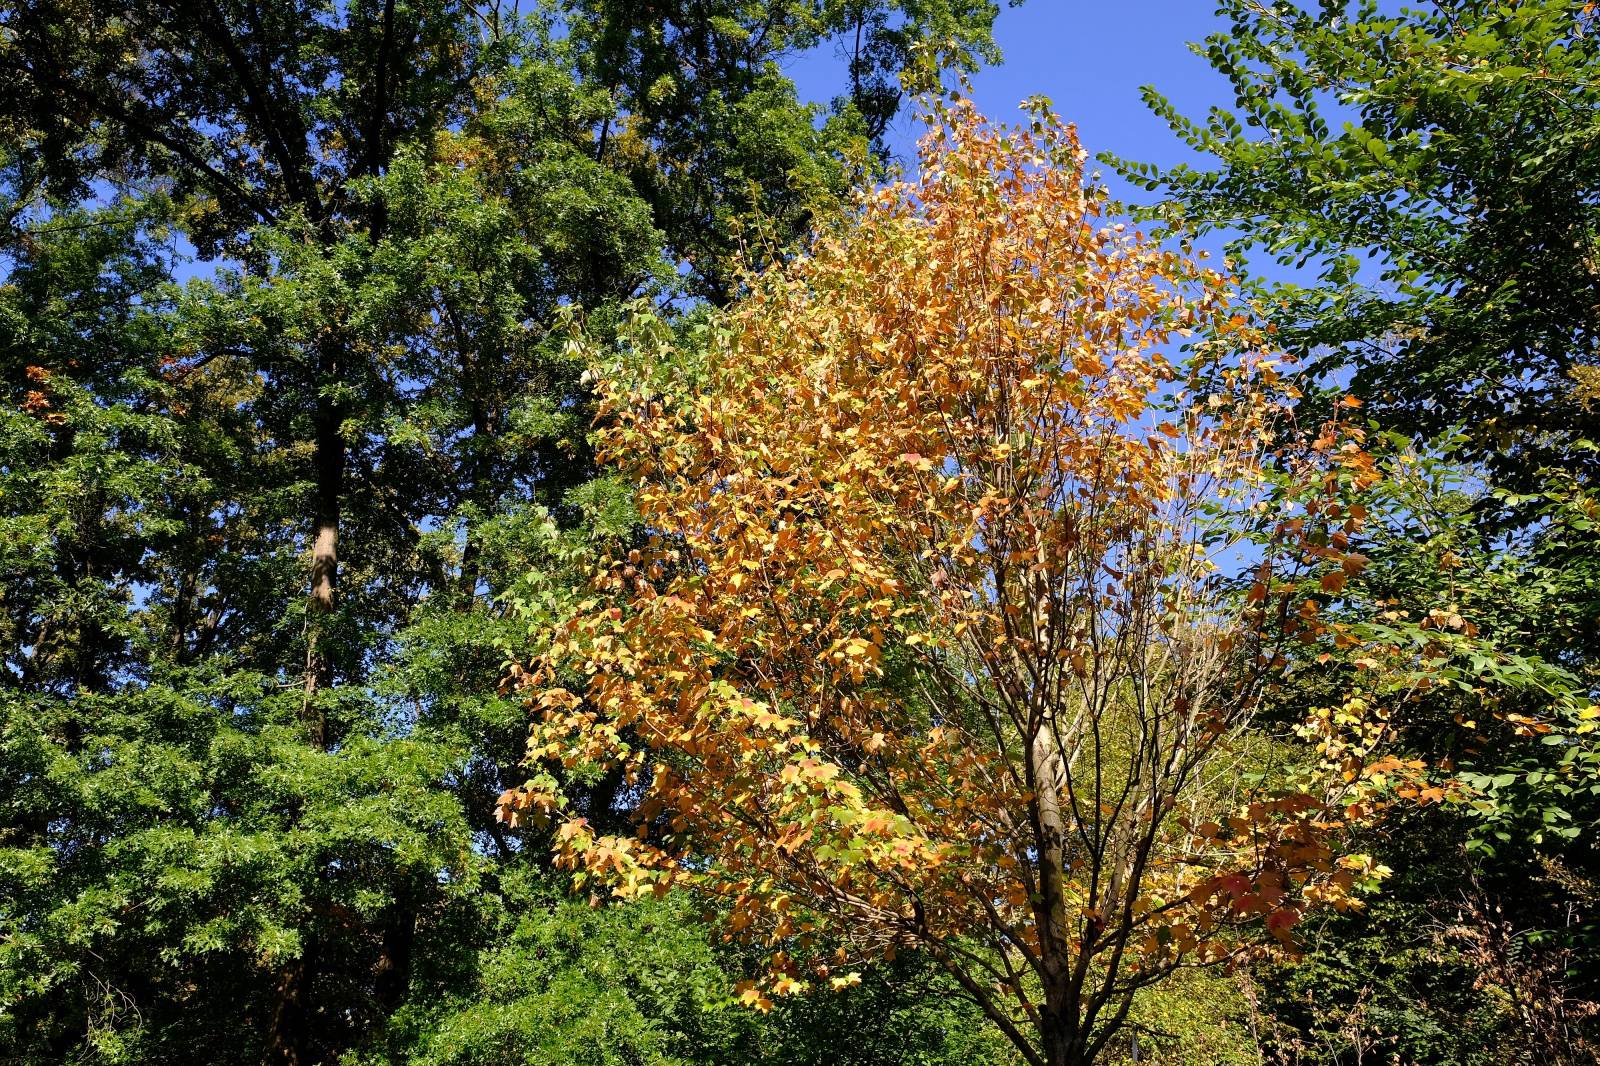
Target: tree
1433, 170
930, 644
1451, 145
292, 456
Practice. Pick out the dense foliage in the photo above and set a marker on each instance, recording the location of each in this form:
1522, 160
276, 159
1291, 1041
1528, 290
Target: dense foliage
932, 645
292, 461
303, 309
1432, 173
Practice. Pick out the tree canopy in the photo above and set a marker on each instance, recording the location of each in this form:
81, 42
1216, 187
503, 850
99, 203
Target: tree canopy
998, 632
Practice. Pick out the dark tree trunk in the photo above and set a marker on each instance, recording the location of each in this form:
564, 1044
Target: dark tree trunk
392, 972
289, 1037
328, 471
1064, 1045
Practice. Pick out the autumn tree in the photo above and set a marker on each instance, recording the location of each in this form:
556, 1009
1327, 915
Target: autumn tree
932, 642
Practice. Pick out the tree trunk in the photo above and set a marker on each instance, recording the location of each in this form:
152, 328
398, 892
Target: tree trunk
480, 487
1046, 775
1063, 1044
328, 472
392, 972
289, 1031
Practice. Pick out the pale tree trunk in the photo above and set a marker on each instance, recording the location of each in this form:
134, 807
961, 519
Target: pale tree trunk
1060, 1039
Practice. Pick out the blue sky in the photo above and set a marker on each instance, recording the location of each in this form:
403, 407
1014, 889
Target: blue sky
1090, 58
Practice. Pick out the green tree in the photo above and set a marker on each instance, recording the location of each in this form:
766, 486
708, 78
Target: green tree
293, 457
1453, 147
1431, 173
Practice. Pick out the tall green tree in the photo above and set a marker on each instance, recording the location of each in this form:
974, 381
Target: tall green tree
293, 458
1434, 170
1433, 174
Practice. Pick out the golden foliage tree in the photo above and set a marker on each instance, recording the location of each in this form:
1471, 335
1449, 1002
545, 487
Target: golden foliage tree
930, 640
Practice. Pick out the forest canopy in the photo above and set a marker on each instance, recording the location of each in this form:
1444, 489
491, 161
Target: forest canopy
527, 541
